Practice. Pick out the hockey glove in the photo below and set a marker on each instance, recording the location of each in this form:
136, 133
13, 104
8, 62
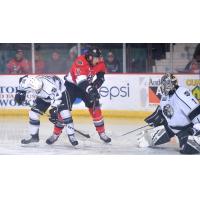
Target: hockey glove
93, 93
53, 115
99, 81
156, 119
20, 97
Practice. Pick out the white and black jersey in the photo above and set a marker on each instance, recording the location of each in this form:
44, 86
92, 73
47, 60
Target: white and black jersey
180, 109
52, 89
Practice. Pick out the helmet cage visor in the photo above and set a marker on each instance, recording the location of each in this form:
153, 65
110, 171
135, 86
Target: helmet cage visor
166, 86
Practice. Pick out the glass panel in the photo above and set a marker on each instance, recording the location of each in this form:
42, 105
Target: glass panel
160, 58
54, 58
140, 57
136, 58
144, 58
112, 54
15, 58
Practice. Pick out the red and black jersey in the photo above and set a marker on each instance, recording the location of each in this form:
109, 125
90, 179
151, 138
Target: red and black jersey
81, 70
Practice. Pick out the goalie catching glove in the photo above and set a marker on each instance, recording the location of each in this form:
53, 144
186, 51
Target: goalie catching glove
156, 119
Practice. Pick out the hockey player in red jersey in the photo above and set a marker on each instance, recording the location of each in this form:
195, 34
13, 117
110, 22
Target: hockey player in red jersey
84, 79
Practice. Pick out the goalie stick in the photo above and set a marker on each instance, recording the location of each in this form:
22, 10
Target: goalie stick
136, 129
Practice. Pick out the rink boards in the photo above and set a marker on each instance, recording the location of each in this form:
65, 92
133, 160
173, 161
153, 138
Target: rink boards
124, 95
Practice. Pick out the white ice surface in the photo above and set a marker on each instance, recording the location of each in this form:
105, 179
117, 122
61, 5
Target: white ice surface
12, 130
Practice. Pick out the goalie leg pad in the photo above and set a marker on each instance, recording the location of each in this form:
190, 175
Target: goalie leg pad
160, 137
192, 144
153, 137
189, 141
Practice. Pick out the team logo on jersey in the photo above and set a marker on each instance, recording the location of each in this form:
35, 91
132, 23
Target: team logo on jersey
186, 93
168, 111
54, 90
79, 62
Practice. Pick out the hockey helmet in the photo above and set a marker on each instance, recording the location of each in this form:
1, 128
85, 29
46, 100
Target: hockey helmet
168, 83
35, 83
94, 52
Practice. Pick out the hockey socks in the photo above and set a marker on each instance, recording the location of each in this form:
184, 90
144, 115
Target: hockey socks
99, 124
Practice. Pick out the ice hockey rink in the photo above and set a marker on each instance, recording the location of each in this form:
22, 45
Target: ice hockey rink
13, 129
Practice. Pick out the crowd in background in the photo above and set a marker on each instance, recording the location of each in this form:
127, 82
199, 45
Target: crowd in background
58, 58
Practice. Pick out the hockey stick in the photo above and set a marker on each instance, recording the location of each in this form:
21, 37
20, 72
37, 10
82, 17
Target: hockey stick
94, 106
81, 133
136, 129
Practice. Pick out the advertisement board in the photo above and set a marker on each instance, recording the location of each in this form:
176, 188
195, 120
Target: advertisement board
127, 92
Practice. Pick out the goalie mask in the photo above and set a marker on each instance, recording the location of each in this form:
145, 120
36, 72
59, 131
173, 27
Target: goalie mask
169, 84
35, 84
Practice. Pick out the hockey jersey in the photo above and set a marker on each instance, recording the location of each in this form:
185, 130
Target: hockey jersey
81, 70
52, 88
180, 109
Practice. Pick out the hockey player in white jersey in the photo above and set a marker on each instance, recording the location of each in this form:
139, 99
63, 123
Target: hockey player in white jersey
48, 91
178, 115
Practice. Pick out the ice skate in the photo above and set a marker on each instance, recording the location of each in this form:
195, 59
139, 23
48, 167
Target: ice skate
52, 139
32, 139
73, 140
104, 137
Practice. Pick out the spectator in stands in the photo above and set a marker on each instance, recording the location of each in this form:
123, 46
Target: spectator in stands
55, 64
39, 63
194, 65
73, 53
112, 63
2, 62
19, 64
